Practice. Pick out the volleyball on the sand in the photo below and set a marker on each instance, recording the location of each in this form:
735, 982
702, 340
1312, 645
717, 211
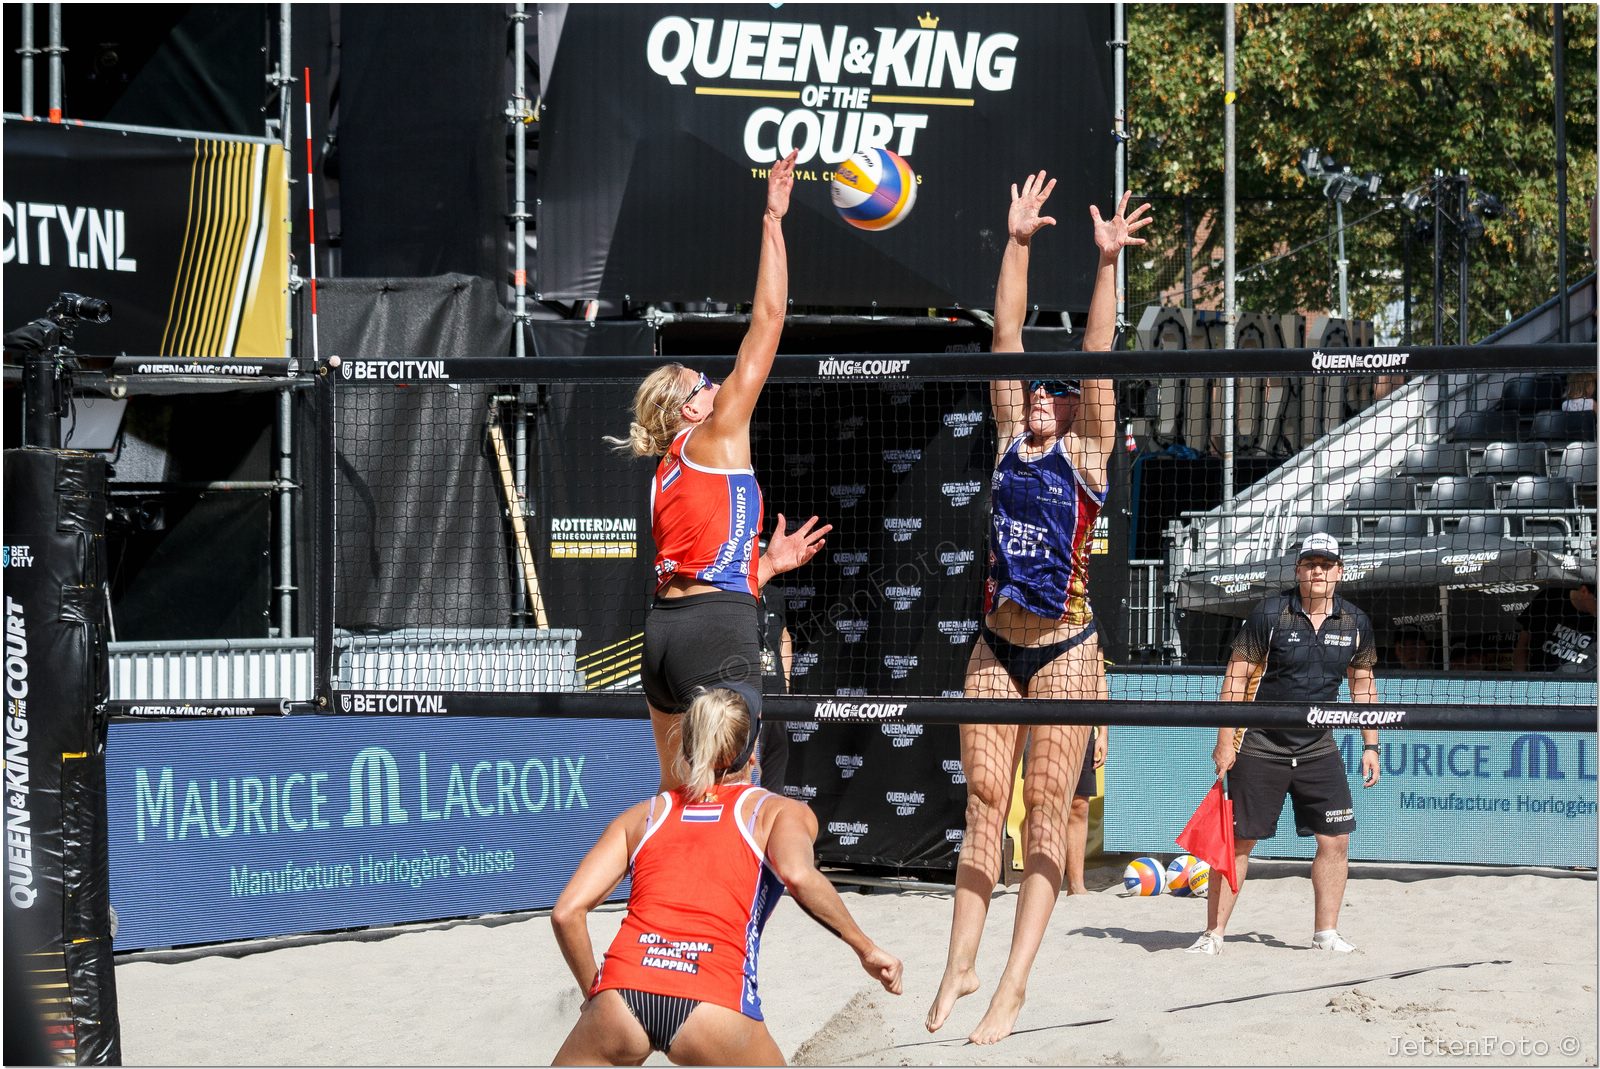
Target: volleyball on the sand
874, 189
1144, 877
1188, 876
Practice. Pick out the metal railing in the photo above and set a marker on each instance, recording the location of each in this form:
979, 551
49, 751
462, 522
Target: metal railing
485, 659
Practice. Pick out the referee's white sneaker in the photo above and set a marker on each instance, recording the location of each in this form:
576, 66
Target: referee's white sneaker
1207, 944
1330, 939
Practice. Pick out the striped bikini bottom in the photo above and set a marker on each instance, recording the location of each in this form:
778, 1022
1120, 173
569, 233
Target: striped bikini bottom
661, 1015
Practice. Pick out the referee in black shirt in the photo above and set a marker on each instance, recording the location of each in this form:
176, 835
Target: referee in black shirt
1296, 646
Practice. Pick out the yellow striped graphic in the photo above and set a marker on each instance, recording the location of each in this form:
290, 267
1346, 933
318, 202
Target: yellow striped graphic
167, 348
630, 640
230, 292
625, 670
613, 663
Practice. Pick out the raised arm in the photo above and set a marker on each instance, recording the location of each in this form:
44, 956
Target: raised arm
1097, 417
730, 420
1023, 221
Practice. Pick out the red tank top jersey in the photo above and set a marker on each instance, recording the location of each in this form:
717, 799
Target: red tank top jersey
705, 521
702, 893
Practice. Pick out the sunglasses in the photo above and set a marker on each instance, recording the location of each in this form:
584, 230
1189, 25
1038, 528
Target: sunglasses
1054, 387
704, 383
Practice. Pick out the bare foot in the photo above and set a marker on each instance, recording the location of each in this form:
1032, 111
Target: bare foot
1078, 889
953, 986
1000, 1018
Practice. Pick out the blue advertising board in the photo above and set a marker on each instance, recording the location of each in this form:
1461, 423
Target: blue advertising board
1466, 797
234, 829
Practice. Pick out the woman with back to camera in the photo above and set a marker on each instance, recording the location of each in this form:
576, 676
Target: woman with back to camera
705, 504
709, 861
1038, 637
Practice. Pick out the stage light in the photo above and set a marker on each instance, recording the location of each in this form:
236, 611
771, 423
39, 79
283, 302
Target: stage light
1487, 206
1339, 186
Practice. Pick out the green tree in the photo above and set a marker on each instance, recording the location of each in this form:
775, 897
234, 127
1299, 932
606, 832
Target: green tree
1399, 89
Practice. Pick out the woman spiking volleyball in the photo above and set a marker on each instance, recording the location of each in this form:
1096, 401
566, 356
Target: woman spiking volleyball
702, 625
1037, 639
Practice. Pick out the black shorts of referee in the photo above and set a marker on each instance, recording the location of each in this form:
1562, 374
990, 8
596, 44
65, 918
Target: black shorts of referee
1317, 786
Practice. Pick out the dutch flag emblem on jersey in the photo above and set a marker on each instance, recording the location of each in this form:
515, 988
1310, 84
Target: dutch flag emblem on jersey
673, 471
702, 813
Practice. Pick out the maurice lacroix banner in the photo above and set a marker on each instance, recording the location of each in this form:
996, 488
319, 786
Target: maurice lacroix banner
1462, 797
234, 829
187, 237
653, 173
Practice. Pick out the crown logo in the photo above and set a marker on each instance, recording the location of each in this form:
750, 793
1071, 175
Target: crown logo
928, 20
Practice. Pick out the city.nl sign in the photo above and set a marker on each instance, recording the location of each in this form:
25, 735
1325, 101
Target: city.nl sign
242, 828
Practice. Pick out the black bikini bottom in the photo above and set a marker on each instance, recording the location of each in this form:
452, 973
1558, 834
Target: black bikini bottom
1022, 663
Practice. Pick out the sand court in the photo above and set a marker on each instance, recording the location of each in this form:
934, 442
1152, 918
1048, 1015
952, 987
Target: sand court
1455, 966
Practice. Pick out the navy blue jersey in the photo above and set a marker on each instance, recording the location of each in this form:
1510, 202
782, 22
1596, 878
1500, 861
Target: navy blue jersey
1041, 516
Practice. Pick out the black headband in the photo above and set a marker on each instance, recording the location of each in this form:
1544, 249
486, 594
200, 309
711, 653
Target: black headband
752, 700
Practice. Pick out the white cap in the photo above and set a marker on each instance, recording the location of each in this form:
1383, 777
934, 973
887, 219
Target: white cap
1319, 544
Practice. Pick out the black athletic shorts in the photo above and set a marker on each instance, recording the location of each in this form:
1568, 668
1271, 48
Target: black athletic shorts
696, 641
1318, 786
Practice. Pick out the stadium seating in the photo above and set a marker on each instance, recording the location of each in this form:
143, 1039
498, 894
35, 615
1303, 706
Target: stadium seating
1513, 458
1484, 525
1385, 527
1381, 494
1487, 426
1577, 463
1528, 394
1558, 426
1541, 492
1538, 492
1460, 492
1426, 461
1337, 525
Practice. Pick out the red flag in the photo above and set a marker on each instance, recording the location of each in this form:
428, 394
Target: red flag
1209, 834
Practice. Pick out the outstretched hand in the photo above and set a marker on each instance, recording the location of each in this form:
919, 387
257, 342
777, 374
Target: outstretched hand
780, 181
1024, 219
1112, 235
788, 550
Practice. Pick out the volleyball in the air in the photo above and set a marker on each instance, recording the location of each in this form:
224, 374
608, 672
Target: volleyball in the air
1144, 877
874, 189
1188, 876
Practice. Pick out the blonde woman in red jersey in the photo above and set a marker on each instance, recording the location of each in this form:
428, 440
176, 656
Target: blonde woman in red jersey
709, 861
706, 505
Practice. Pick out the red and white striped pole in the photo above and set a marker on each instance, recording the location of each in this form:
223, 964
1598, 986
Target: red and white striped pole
311, 215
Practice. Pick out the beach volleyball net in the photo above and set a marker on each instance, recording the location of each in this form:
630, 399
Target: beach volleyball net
484, 550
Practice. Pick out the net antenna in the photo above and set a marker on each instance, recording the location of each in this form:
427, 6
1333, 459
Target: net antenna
311, 219
519, 528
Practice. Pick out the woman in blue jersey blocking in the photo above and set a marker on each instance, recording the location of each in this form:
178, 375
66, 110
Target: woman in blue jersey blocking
1038, 637
705, 505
